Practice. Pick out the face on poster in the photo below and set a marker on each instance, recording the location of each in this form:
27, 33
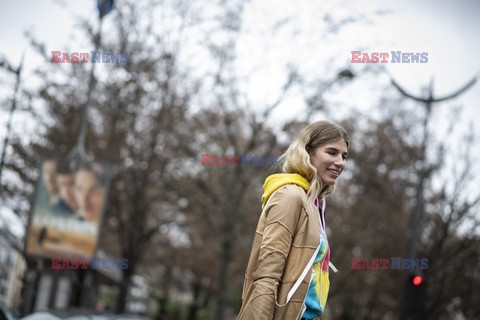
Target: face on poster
68, 208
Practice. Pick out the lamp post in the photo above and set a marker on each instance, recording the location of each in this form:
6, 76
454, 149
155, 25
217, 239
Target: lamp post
424, 173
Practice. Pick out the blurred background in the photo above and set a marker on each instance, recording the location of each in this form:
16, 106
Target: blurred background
233, 78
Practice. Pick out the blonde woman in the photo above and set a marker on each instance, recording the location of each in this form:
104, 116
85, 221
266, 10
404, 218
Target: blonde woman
287, 273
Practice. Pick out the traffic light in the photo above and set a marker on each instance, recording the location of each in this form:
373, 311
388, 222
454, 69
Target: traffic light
416, 294
416, 280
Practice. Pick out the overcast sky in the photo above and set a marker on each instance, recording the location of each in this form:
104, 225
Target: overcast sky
447, 30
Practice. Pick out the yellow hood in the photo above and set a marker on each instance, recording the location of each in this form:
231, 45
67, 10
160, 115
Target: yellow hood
275, 181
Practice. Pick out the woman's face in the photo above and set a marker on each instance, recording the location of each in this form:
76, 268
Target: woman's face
330, 160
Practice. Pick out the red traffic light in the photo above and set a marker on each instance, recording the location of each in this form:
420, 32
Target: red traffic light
416, 280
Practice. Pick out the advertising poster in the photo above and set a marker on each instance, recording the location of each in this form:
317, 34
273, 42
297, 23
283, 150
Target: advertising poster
68, 208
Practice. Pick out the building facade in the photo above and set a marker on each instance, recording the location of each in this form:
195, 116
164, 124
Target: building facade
12, 269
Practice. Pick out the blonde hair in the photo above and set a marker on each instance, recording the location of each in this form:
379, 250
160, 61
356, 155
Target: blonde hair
297, 157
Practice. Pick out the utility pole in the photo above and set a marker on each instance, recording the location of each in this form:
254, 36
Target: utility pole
423, 174
83, 283
79, 151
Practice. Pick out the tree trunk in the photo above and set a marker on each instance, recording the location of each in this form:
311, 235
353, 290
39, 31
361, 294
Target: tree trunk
196, 286
226, 258
122, 295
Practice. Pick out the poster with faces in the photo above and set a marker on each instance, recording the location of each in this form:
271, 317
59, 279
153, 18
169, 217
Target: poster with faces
68, 208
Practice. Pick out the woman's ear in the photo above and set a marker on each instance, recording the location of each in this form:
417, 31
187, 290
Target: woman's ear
310, 151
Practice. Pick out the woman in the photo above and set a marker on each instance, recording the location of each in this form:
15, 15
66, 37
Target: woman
287, 273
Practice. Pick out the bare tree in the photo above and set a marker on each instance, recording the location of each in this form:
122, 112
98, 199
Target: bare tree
136, 109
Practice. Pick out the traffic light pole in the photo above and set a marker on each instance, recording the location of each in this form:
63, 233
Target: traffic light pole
418, 209
424, 174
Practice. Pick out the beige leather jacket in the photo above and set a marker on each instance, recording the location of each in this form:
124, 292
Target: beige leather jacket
287, 235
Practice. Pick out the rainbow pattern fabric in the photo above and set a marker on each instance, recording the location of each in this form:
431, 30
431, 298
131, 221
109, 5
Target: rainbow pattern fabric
320, 284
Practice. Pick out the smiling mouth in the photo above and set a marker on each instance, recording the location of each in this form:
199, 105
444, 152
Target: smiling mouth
334, 172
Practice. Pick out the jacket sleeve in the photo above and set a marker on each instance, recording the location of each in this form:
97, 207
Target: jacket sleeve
282, 214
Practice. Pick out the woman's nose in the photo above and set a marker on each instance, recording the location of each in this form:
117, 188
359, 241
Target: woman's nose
340, 161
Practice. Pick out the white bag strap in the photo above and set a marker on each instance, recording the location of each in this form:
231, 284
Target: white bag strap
324, 203
299, 280
330, 264
307, 267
